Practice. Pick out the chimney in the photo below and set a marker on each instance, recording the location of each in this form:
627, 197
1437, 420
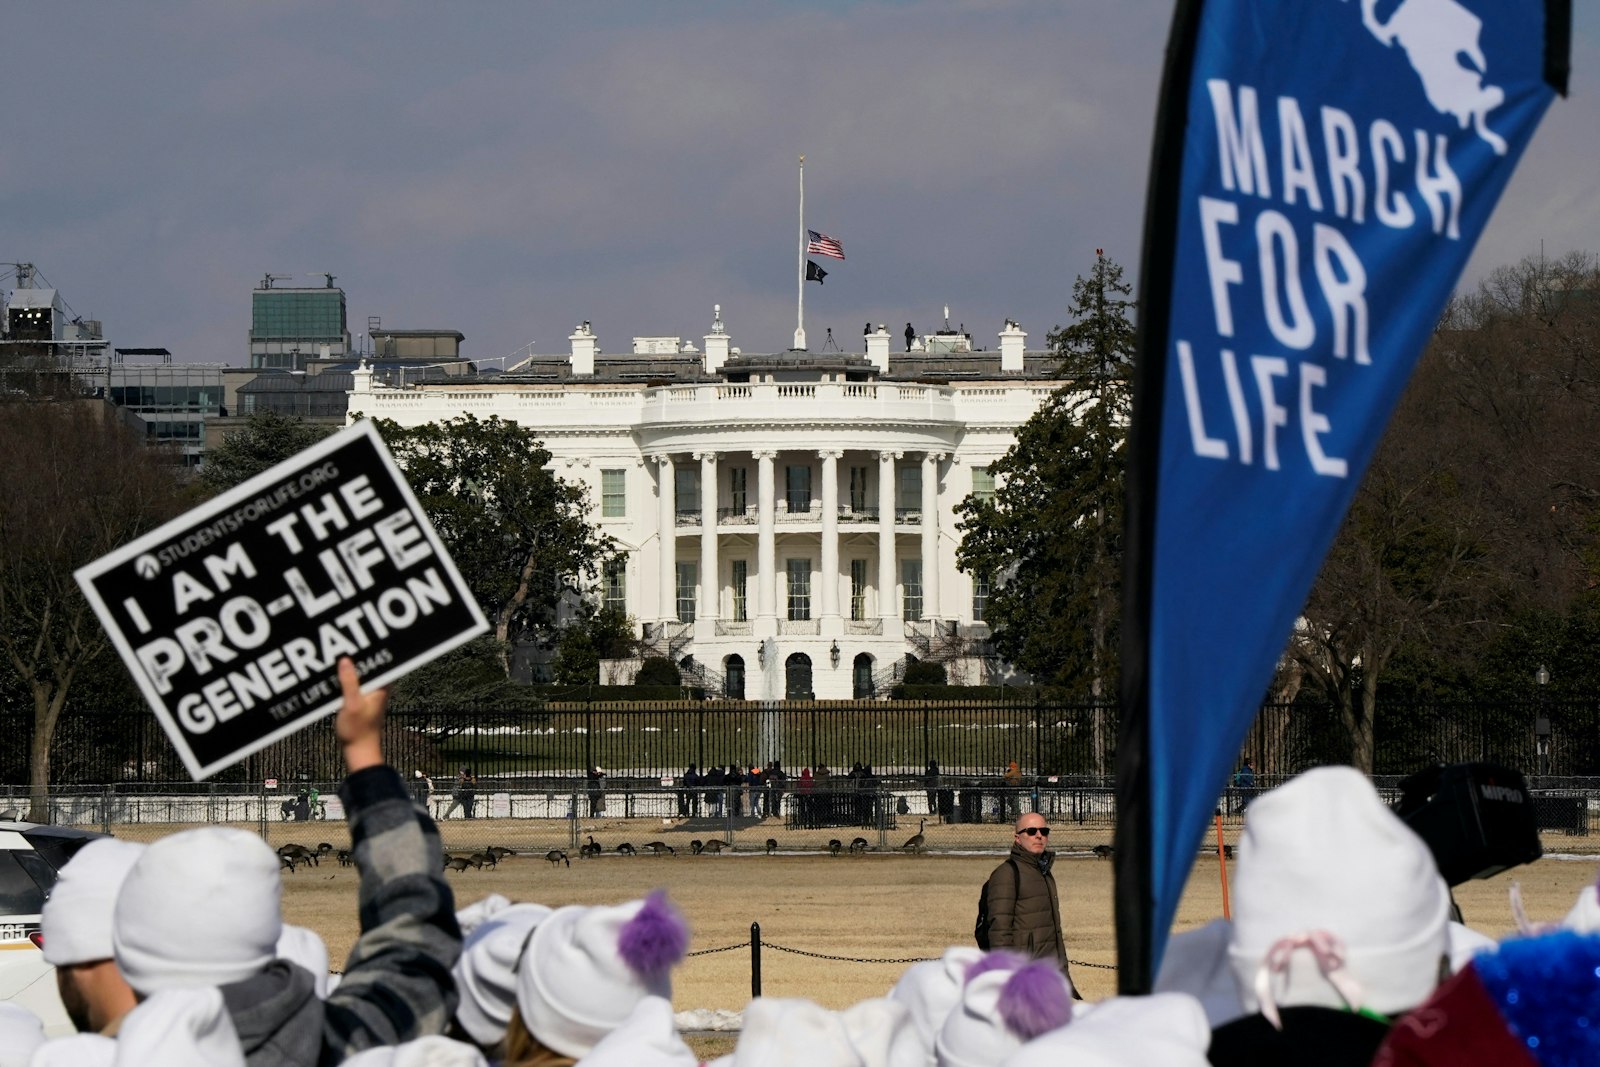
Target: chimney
584, 347
878, 349
1011, 347
361, 378
716, 342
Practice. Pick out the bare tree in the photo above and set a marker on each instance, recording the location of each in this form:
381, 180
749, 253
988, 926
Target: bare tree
79, 483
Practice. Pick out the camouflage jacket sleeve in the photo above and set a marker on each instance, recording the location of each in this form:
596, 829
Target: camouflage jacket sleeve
397, 984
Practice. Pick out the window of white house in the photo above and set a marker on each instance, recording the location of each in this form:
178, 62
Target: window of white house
980, 596
614, 584
910, 488
686, 591
982, 483
613, 494
858, 489
799, 588
797, 481
741, 582
858, 589
686, 485
736, 490
911, 594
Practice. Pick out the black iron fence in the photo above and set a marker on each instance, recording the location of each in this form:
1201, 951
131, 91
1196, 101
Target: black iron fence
570, 822
640, 744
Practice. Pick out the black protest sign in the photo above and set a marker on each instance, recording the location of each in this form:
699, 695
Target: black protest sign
233, 617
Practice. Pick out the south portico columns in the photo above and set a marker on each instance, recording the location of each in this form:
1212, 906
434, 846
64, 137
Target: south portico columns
710, 579
831, 625
766, 621
666, 487
887, 608
930, 534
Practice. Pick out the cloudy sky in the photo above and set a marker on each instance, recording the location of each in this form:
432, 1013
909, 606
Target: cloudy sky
509, 169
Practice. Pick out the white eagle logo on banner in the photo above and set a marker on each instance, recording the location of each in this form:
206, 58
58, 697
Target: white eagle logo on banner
1437, 35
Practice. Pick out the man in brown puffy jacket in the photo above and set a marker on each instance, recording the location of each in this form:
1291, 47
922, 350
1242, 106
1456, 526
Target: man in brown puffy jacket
1024, 914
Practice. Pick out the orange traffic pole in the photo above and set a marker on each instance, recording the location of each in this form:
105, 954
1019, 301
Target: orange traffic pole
1222, 862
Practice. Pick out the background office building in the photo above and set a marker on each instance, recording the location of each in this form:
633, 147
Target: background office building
290, 325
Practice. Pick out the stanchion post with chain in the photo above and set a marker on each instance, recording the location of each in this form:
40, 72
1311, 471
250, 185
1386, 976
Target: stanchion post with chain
755, 959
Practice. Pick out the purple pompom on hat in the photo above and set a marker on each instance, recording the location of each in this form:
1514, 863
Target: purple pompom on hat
1000, 1010
586, 968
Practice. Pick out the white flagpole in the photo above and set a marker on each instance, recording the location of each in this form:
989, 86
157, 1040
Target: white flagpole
800, 315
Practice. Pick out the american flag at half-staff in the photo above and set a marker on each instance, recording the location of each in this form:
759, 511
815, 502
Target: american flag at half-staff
820, 244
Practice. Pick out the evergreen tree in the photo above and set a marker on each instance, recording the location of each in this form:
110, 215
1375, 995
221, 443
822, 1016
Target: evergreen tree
518, 534
265, 440
1050, 540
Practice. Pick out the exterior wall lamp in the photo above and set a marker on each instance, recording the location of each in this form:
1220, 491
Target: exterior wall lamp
833, 653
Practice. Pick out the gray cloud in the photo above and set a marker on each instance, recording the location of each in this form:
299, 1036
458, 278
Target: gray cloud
508, 170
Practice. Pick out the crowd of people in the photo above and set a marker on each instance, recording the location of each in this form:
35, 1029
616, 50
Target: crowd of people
1340, 953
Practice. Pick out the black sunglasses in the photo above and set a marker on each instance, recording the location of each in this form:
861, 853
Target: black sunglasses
1031, 830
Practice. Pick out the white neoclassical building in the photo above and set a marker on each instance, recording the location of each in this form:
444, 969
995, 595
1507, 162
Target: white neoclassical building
787, 521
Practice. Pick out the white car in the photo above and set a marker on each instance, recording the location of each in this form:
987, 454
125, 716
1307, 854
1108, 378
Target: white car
30, 855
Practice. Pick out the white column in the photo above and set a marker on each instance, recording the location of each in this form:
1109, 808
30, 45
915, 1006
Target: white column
666, 482
831, 624
930, 534
710, 580
766, 547
887, 609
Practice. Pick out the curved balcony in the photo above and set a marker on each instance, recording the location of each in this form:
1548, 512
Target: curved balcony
776, 403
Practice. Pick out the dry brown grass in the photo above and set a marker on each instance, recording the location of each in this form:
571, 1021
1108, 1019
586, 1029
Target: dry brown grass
871, 906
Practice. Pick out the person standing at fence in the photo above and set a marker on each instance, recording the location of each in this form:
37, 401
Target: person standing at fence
1013, 791
806, 798
458, 795
735, 782
776, 780
754, 791
597, 792
421, 789
469, 794
1244, 786
715, 779
1024, 911
930, 782
688, 797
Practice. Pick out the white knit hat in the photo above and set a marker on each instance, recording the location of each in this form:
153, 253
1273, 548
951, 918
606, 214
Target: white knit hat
20, 1033
199, 908
1584, 918
1160, 1030
791, 1032
647, 1038
474, 915
432, 1051
75, 1050
1002, 1009
76, 921
179, 1028
932, 988
1196, 963
305, 947
1322, 860
586, 968
884, 1034
486, 971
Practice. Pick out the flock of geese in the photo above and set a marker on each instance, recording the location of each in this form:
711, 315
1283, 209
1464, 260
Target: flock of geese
558, 857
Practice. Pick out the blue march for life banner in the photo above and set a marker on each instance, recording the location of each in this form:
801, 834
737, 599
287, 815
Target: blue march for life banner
1322, 169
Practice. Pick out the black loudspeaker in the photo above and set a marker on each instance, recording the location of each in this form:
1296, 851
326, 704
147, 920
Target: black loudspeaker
1477, 818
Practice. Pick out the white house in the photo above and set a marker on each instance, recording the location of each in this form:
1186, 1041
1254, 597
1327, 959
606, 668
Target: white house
788, 520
